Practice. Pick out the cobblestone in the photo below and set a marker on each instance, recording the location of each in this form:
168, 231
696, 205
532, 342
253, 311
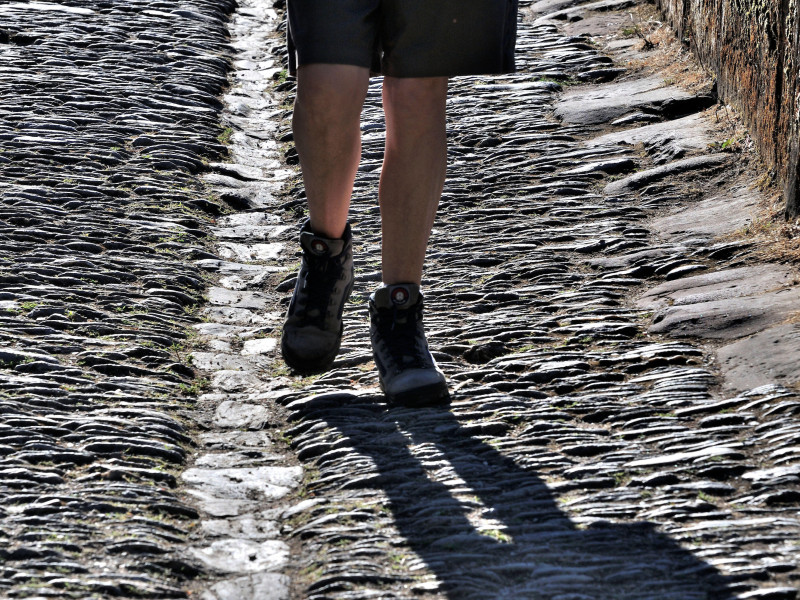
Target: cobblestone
108, 110
152, 444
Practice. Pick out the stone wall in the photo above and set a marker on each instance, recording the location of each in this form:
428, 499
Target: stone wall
753, 48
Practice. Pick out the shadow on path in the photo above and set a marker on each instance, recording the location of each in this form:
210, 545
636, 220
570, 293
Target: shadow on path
518, 544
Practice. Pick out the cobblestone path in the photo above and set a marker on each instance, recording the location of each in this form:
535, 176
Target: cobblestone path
109, 109
154, 446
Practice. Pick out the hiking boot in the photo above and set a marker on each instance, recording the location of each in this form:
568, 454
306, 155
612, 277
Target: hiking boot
312, 332
407, 373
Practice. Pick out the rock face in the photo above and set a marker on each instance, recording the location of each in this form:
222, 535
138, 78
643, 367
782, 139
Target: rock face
753, 47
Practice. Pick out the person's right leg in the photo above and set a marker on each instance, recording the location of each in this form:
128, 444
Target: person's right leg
327, 135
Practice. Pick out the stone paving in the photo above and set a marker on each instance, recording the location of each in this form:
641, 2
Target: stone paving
155, 446
109, 110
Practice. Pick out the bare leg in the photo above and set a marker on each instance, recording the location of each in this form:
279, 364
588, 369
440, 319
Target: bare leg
413, 172
327, 135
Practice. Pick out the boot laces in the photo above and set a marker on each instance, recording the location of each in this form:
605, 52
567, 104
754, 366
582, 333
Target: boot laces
323, 274
398, 330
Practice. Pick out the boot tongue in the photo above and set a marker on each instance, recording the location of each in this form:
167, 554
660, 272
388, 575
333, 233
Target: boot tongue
401, 295
319, 246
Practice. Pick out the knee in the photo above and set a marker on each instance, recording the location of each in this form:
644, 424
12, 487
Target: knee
325, 90
415, 96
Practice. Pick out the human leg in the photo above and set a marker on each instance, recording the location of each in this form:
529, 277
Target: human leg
327, 136
413, 174
411, 185
328, 141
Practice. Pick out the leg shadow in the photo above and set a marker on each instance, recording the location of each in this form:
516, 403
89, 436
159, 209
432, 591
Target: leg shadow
510, 539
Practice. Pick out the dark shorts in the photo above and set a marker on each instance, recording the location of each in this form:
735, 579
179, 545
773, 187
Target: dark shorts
405, 38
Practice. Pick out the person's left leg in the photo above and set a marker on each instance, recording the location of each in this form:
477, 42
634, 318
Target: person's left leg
412, 179
411, 185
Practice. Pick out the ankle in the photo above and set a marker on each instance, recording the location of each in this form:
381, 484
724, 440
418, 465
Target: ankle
332, 230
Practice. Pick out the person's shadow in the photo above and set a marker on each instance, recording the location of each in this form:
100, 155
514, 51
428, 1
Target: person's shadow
511, 540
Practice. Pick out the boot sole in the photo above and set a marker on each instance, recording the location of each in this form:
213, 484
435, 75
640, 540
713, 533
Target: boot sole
435, 394
305, 366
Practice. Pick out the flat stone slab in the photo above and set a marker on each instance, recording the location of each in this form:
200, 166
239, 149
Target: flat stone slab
213, 361
269, 482
249, 226
259, 346
769, 356
226, 315
727, 319
264, 586
719, 285
241, 415
238, 381
713, 217
644, 178
219, 330
689, 133
726, 304
251, 219
603, 104
259, 440
230, 492
257, 527
250, 252
230, 460
236, 299
244, 556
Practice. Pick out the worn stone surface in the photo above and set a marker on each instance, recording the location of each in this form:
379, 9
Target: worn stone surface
610, 102
716, 216
108, 111
673, 139
151, 436
264, 586
712, 162
766, 357
720, 285
727, 319
242, 556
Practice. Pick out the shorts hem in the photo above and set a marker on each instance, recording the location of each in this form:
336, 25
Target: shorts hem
467, 72
433, 49
327, 57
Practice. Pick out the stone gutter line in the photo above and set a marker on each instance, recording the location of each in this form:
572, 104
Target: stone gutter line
243, 474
